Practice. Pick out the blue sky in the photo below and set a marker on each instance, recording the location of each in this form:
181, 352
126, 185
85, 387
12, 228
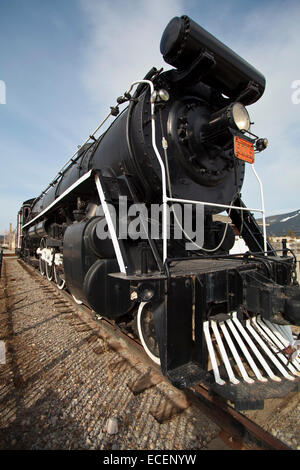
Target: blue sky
65, 61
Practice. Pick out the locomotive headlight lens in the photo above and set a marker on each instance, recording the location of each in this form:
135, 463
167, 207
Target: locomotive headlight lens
240, 117
233, 117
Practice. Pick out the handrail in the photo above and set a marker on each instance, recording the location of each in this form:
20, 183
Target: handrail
166, 199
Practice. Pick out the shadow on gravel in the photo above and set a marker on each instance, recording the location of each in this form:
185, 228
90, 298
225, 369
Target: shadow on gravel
45, 425
63, 407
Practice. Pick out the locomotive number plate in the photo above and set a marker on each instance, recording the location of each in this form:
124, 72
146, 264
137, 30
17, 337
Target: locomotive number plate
243, 149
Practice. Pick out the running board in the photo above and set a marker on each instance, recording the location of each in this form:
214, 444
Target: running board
249, 361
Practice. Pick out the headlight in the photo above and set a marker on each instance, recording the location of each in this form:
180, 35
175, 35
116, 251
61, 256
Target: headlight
235, 116
240, 117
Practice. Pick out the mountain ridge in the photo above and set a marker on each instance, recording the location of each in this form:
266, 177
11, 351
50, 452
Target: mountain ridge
283, 224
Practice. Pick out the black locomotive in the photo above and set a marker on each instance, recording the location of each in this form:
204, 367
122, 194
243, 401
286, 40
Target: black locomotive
201, 312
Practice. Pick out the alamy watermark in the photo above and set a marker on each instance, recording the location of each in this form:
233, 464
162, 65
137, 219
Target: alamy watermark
2, 92
139, 221
296, 94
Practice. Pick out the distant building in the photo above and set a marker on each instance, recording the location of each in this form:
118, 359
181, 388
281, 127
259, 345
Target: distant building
8, 239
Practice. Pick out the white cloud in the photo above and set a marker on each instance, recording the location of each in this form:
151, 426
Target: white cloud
123, 44
270, 40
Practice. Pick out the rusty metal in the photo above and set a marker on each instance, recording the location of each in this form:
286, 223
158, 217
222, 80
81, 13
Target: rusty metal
235, 424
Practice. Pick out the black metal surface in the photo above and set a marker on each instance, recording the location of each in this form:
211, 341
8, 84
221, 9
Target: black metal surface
248, 228
182, 42
106, 295
276, 303
251, 397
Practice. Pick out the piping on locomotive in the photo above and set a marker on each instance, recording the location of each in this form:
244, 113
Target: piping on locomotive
203, 314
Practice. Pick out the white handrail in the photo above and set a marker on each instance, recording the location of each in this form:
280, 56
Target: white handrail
161, 163
110, 225
262, 208
166, 199
225, 206
59, 198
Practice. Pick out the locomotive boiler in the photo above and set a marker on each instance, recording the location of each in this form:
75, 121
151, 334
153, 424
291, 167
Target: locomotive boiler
180, 144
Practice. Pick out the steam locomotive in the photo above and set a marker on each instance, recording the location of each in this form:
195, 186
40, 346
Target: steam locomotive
202, 313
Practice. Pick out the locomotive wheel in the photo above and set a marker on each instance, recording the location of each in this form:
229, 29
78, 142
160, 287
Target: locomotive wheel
49, 272
42, 266
79, 302
146, 330
60, 282
42, 263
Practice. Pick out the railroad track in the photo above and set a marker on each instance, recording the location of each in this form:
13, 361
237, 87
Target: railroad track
170, 408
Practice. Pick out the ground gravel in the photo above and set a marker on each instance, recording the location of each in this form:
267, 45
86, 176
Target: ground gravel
62, 382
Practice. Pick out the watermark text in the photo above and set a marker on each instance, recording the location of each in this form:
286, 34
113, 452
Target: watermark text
2, 92
296, 94
139, 221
